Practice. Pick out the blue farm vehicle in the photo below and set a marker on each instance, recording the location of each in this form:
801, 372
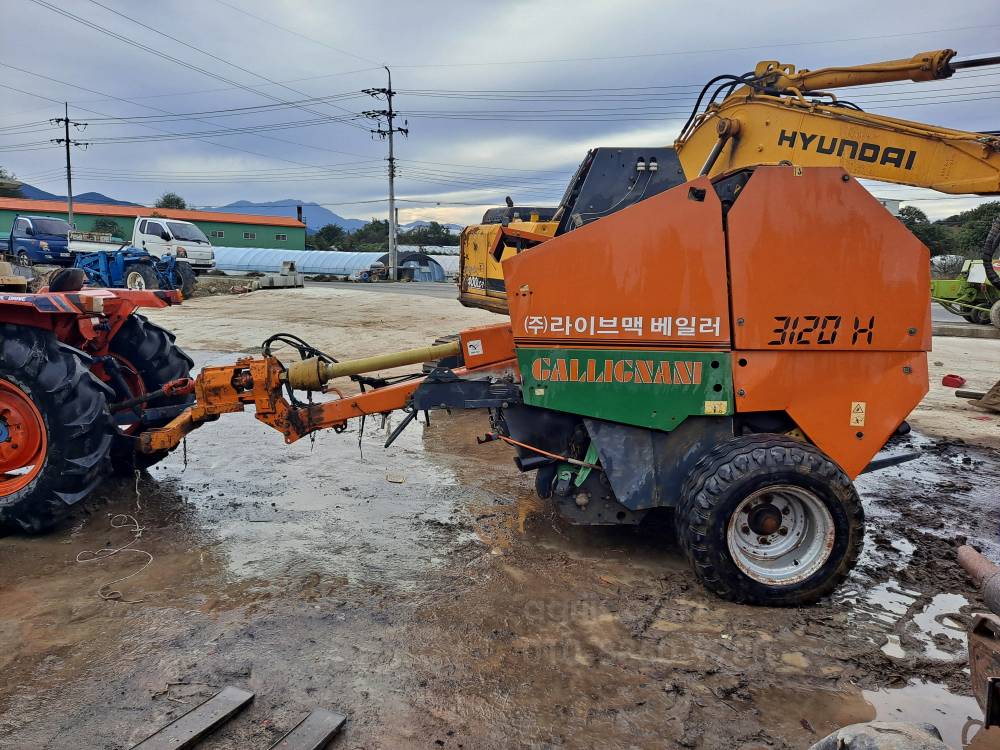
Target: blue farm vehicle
134, 268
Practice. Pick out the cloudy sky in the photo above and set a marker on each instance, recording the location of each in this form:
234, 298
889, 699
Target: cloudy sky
221, 100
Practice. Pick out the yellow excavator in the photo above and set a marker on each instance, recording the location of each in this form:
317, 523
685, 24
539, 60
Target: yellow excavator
774, 115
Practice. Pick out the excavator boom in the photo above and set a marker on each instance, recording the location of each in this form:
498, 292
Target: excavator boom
766, 118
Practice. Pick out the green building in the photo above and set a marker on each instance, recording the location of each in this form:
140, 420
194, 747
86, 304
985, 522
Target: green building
224, 230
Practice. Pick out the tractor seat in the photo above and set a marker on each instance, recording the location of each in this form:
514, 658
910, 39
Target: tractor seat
67, 280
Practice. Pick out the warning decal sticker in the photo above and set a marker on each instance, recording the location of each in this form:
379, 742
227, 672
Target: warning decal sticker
858, 410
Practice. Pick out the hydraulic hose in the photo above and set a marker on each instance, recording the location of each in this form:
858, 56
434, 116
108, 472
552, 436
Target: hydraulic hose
984, 574
990, 251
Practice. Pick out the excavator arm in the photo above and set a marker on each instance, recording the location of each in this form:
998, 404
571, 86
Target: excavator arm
778, 114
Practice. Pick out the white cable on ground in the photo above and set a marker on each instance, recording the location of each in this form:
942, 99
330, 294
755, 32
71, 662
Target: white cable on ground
120, 521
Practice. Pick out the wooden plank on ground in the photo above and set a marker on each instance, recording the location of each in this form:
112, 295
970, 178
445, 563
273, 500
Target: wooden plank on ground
313, 732
185, 731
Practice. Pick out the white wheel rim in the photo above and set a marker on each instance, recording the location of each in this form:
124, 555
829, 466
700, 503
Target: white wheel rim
135, 281
781, 535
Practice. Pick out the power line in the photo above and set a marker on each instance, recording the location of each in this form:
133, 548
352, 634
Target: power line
579, 114
272, 25
234, 88
213, 56
164, 111
211, 133
228, 112
620, 97
164, 55
641, 90
673, 53
474, 166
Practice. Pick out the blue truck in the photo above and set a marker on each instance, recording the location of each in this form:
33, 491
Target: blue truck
40, 239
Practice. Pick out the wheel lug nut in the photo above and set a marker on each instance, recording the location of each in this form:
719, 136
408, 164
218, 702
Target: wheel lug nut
786, 510
745, 529
763, 540
783, 531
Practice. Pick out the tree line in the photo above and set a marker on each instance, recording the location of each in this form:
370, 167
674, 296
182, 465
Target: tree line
960, 234
374, 237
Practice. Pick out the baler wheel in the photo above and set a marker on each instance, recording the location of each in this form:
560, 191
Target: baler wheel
765, 519
995, 314
149, 357
55, 429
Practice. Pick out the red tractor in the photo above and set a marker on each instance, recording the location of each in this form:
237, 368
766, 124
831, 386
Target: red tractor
81, 374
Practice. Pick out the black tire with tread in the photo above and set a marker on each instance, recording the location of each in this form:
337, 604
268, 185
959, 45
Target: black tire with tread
730, 473
995, 314
73, 403
185, 279
157, 358
146, 271
977, 317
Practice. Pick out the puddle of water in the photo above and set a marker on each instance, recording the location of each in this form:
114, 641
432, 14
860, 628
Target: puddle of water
887, 602
892, 647
933, 620
906, 547
929, 702
805, 716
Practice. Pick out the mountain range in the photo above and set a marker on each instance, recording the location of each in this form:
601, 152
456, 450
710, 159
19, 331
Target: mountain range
314, 215
37, 194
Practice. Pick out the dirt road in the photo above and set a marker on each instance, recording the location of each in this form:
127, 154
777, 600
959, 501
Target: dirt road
425, 591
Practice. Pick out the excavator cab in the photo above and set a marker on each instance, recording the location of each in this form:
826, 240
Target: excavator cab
607, 180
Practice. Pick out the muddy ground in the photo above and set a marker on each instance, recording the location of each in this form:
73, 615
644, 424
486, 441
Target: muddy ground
425, 592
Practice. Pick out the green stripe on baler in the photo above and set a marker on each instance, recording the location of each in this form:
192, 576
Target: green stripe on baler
655, 389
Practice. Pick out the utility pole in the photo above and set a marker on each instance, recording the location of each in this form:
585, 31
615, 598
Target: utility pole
388, 114
66, 122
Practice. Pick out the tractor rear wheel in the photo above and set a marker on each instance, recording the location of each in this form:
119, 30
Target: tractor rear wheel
141, 276
185, 278
55, 429
768, 520
147, 357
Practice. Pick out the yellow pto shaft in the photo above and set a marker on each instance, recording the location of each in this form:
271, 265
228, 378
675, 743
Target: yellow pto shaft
311, 374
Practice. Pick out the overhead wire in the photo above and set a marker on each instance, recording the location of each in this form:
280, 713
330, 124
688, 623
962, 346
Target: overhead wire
269, 22
160, 130
673, 53
159, 53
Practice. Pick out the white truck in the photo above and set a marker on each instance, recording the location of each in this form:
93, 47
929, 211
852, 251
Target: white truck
159, 237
